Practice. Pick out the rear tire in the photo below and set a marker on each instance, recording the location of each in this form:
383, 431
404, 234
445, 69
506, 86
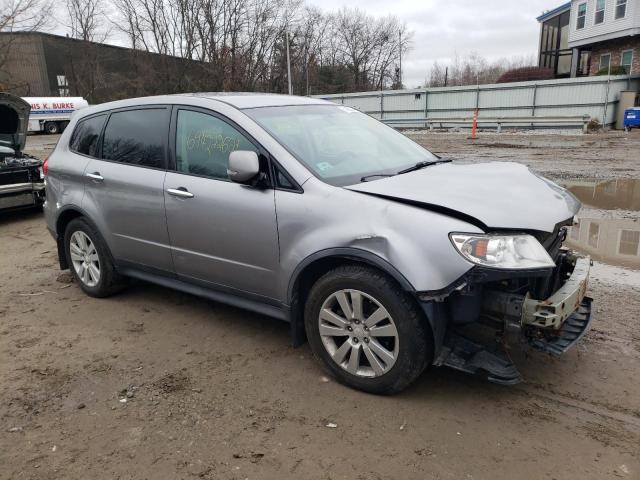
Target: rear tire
51, 128
351, 351
89, 260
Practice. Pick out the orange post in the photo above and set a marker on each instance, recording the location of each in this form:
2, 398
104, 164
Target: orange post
474, 129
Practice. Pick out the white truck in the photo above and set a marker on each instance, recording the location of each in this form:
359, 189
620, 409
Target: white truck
52, 114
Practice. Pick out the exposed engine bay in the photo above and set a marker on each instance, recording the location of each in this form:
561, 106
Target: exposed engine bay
21, 176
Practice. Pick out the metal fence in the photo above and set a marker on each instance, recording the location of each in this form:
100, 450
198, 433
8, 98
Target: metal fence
596, 97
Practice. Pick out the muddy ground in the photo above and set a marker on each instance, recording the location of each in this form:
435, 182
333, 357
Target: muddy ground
157, 384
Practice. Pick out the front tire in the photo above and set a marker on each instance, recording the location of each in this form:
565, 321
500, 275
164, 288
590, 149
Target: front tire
367, 331
89, 260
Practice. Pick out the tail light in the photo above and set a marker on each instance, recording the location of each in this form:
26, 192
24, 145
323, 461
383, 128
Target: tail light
45, 166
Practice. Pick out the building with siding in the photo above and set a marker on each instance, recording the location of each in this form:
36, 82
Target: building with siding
589, 37
39, 64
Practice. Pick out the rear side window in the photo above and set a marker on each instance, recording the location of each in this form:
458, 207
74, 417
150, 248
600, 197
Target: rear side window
86, 135
137, 137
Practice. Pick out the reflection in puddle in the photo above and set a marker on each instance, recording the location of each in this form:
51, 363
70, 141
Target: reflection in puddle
621, 194
607, 236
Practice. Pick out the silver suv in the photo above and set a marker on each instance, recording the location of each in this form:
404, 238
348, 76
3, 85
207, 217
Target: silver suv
376, 251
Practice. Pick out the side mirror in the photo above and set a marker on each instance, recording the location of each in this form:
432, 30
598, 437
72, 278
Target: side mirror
244, 166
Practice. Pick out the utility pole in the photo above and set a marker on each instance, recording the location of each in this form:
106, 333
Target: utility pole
400, 70
289, 64
446, 76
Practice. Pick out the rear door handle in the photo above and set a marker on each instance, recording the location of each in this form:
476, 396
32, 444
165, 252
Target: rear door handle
180, 192
95, 176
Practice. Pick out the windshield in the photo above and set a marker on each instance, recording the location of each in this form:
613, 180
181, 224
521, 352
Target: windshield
338, 144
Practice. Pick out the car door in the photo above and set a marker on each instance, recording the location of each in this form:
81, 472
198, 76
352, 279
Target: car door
124, 187
222, 233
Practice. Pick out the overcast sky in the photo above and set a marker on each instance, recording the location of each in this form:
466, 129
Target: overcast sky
493, 28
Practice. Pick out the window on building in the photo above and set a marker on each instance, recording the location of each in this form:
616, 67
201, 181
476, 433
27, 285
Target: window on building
582, 16
621, 9
605, 61
629, 242
63, 85
627, 60
554, 45
574, 232
86, 135
594, 234
584, 63
204, 142
600, 7
137, 137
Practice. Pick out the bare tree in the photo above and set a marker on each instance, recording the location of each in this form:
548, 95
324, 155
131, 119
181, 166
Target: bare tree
86, 20
23, 15
474, 69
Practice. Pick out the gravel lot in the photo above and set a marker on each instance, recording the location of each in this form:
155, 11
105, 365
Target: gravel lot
157, 384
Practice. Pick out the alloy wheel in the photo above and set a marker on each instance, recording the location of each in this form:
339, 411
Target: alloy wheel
358, 333
84, 257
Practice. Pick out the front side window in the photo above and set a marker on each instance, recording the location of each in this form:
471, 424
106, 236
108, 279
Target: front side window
86, 135
600, 7
621, 9
582, 15
204, 142
137, 137
605, 61
627, 60
339, 144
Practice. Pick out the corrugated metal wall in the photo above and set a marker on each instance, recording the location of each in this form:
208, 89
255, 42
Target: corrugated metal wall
591, 96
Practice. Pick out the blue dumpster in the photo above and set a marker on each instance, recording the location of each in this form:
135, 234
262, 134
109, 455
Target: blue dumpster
631, 118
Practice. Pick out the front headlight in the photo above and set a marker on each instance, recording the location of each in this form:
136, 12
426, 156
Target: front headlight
512, 252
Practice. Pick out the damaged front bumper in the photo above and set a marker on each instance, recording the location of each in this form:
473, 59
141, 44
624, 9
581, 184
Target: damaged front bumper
21, 195
552, 325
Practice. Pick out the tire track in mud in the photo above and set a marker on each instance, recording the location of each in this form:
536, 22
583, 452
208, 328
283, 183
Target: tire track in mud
610, 425
628, 416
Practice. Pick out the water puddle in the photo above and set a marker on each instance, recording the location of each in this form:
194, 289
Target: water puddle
608, 226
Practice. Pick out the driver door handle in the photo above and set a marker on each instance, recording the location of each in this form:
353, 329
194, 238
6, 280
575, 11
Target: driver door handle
95, 176
180, 192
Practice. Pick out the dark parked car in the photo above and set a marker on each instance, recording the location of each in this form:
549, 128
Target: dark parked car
377, 251
21, 176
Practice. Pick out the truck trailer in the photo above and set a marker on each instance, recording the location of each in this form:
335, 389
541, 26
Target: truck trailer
52, 114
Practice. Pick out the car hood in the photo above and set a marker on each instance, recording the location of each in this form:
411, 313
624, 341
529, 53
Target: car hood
498, 195
15, 121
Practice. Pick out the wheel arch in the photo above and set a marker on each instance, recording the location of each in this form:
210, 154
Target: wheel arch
65, 217
314, 266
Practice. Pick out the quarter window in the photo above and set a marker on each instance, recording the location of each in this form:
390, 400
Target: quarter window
600, 7
627, 60
86, 135
621, 9
204, 142
582, 15
137, 137
605, 61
